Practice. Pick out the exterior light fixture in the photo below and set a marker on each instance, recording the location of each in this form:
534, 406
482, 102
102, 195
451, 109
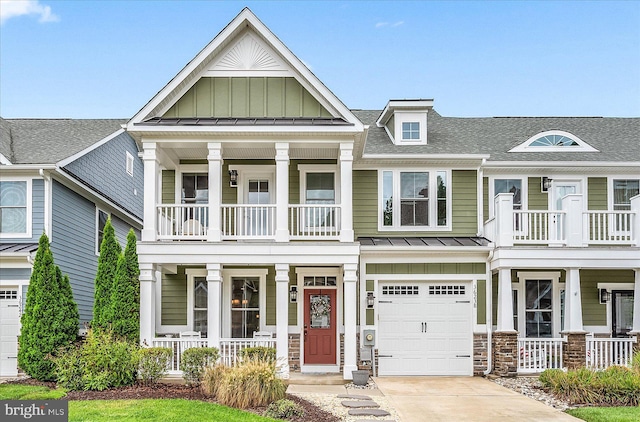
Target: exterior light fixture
371, 300
293, 294
604, 296
546, 184
233, 175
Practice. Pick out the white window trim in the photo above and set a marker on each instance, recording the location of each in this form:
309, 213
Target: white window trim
519, 286
609, 287
524, 194
408, 117
192, 273
526, 146
227, 275
129, 163
29, 228
433, 200
186, 168
97, 245
582, 190
318, 168
610, 204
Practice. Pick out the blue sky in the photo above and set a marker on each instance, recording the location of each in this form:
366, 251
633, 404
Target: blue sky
106, 59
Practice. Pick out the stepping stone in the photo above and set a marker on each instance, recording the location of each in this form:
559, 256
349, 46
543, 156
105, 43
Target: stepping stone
368, 412
361, 403
353, 397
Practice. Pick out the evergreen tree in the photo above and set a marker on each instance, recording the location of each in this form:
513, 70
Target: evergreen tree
125, 294
47, 320
107, 264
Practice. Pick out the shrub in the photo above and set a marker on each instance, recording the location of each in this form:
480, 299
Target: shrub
125, 293
101, 362
212, 379
50, 317
194, 360
153, 363
250, 384
635, 362
284, 409
107, 264
266, 354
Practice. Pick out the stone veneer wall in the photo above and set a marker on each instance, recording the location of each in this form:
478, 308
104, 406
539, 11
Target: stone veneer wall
505, 354
480, 354
294, 352
575, 350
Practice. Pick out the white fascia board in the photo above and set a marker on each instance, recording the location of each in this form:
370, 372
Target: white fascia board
561, 257
26, 168
69, 181
388, 254
4, 160
90, 148
143, 130
425, 156
559, 164
237, 24
405, 105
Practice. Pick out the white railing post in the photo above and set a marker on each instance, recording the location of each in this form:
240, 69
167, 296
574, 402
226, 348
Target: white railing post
149, 232
282, 318
346, 188
213, 230
282, 191
635, 220
572, 204
504, 219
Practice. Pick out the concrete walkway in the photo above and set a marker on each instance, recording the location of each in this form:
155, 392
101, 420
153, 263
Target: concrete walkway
420, 399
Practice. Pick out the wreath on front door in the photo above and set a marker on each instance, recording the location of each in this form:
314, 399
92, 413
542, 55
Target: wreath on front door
320, 306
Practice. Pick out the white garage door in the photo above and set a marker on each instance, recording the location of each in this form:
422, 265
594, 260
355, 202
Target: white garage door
9, 330
425, 328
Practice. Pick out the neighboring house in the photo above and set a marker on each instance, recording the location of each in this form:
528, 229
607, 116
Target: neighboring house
271, 207
62, 177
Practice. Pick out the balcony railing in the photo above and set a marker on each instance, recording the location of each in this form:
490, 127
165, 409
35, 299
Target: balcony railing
182, 221
230, 348
538, 354
243, 221
609, 227
605, 352
538, 227
314, 221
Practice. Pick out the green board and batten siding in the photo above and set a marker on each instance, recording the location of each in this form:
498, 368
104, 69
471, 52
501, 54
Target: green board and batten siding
597, 193
464, 202
538, 200
247, 97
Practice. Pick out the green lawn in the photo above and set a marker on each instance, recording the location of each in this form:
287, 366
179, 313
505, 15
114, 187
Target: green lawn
607, 414
178, 410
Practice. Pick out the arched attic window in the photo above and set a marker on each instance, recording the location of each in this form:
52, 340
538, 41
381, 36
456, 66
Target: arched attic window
554, 140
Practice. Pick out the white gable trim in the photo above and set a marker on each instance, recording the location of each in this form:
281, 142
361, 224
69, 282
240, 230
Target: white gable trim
526, 146
4, 160
90, 148
189, 75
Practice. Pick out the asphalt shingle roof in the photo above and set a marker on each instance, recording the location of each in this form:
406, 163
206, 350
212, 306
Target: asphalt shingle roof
616, 139
48, 141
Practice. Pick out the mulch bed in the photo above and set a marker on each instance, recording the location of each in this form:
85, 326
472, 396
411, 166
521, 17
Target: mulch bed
312, 413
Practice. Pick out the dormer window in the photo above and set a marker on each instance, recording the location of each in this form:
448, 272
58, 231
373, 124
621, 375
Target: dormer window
405, 121
554, 140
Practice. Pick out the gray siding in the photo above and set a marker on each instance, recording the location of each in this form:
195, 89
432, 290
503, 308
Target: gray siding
104, 168
73, 244
122, 229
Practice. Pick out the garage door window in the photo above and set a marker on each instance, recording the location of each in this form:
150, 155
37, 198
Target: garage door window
8, 294
446, 290
400, 290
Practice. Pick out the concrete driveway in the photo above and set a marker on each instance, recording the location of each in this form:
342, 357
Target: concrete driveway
422, 399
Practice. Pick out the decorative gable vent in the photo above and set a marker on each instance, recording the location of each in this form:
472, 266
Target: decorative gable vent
554, 140
248, 54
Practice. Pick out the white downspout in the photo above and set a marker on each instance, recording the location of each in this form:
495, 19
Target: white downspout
489, 313
47, 205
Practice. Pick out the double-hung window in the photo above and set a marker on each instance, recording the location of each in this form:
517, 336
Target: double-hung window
14, 208
623, 190
101, 221
414, 199
513, 186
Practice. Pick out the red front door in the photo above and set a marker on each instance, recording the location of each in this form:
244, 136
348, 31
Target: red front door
320, 326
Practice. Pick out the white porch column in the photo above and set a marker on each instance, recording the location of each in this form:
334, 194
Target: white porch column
214, 234
282, 318
214, 304
635, 224
147, 304
573, 302
350, 304
503, 211
282, 192
505, 301
635, 329
346, 188
572, 205
149, 157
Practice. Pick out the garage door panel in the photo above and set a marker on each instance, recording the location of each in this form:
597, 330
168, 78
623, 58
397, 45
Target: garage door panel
9, 330
408, 346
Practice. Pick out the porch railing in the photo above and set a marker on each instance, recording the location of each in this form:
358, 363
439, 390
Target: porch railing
178, 346
605, 352
537, 354
230, 348
538, 226
244, 221
314, 221
609, 227
182, 221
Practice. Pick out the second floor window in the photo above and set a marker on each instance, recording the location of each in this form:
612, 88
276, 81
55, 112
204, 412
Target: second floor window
623, 191
414, 199
410, 131
13, 207
101, 221
513, 186
195, 188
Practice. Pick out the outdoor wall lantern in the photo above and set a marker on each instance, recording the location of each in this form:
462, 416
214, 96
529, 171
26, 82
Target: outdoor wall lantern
233, 174
546, 184
371, 300
293, 294
604, 296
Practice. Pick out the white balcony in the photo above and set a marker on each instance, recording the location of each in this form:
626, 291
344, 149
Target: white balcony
572, 226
